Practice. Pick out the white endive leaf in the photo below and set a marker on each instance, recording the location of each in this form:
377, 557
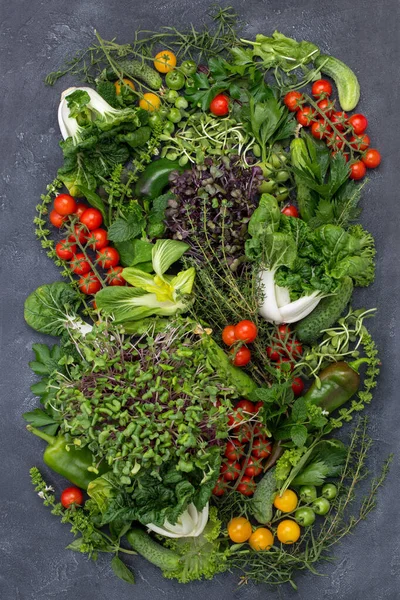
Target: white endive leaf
293, 312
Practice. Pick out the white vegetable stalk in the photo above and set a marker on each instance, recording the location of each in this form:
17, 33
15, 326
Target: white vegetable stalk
190, 523
276, 306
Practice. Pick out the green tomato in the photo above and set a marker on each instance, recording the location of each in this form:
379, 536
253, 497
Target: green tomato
155, 119
188, 67
267, 187
171, 96
169, 128
305, 516
175, 80
308, 493
189, 82
329, 491
181, 102
266, 168
174, 115
282, 176
321, 506
163, 111
282, 194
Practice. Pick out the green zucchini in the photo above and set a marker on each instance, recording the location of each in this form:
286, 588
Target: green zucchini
344, 78
327, 312
263, 499
144, 545
137, 70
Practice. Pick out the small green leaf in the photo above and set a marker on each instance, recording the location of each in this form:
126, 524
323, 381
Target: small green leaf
121, 570
38, 418
299, 410
299, 434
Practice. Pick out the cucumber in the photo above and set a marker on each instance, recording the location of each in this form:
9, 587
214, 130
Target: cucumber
328, 311
262, 501
344, 78
139, 70
144, 545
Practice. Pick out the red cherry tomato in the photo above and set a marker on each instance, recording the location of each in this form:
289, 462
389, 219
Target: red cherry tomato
283, 331
242, 357
372, 158
89, 284
98, 239
258, 406
360, 143
235, 418
79, 265
80, 209
273, 354
228, 335
230, 470
233, 451
108, 257
357, 170
292, 100
64, 204
91, 218
56, 219
220, 105
335, 141
261, 447
339, 119
70, 496
245, 406
305, 116
326, 106
65, 249
79, 236
297, 386
246, 331
247, 486
290, 211
320, 130
243, 433
253, 468
322, 87
294, 349
220, 487
359, 123
114, 276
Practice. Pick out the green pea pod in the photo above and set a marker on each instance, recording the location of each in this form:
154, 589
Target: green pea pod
67, 460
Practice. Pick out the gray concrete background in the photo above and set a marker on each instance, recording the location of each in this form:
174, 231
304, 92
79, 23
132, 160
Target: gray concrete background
35, 38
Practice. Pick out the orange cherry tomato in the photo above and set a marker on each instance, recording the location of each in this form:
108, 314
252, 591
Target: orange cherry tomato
288, 531
261, 539
165, 61
239, 530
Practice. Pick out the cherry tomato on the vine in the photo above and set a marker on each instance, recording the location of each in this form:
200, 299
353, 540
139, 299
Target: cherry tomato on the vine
246, 406
283, 331
56, 219
287, 501
273, 353
220, 105
334, 141
70, 496
284, 360
305, 116
359, 123
80, 209
372, 158
65, 249
220, 487
114, 276
79, 235
89, 284
297, 386
91, 218
243, 433
242, 357
261, 447
322, 87
230, 470
233, 451
292, 100
294, 348
239, 530
98, 239
108, 257
320, 130
360, 142
339, 119
247, 486
357, 170
253, 468
258, 406
290, 211
228, 335
80, 265
246, 331
64, 204
326, 106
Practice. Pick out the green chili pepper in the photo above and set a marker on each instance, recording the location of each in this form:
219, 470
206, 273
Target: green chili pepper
72, 464
339, 382
155, 178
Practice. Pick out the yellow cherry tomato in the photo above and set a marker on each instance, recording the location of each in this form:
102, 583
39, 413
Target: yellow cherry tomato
150, 102
165, 61
261, 539
127, 82
286, 502
239, 530
288, 531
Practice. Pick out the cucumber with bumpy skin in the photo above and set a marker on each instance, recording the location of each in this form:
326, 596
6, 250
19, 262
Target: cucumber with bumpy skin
138, 70
328, 311
345, 79
144, 545
263, 499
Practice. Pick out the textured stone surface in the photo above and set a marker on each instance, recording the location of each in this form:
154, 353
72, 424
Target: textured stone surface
35, 38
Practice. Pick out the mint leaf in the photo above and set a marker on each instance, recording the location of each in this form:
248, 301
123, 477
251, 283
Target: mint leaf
298, 433
123, 230
299, 410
